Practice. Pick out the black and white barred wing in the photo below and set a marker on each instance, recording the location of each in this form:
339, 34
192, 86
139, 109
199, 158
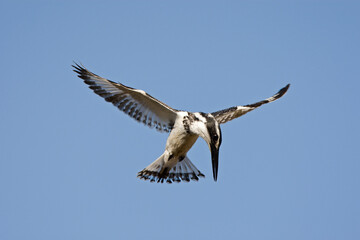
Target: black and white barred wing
229, 114
136, 103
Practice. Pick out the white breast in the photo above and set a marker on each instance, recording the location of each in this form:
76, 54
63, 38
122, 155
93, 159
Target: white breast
180, 140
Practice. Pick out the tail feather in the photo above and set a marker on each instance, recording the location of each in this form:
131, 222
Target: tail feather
184, 170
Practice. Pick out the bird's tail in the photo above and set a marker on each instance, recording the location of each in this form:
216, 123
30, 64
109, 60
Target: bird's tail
184, 170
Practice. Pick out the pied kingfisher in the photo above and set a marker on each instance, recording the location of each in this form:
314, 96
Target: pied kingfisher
184, 127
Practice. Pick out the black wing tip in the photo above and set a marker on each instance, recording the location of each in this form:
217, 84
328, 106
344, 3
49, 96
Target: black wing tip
283, 90
277, 95
79, 68
82, 71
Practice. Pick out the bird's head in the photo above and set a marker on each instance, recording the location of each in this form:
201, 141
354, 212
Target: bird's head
209, 130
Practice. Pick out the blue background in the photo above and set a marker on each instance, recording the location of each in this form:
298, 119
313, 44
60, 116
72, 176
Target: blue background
288, 170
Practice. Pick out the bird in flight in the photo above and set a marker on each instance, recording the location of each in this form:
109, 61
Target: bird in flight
184, 127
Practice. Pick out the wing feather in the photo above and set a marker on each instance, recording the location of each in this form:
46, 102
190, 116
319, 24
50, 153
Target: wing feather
231, 113
136, 103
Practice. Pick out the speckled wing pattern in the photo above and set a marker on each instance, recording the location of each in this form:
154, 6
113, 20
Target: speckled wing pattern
229, 114
136, 103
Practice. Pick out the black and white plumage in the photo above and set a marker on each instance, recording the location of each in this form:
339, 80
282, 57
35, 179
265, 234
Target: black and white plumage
184, 127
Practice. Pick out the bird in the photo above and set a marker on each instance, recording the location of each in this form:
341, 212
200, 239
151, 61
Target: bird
183, 127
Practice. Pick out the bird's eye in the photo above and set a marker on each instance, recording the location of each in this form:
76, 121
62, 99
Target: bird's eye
216, 137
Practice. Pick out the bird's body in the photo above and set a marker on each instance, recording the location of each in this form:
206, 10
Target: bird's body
184, 127
180, 139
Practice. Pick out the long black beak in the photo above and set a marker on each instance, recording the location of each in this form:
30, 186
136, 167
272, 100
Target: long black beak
215, 160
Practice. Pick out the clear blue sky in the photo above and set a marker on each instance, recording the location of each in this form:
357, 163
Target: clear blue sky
68, 159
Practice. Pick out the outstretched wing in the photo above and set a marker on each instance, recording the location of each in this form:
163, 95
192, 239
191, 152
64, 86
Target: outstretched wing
229, 114
136, 103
